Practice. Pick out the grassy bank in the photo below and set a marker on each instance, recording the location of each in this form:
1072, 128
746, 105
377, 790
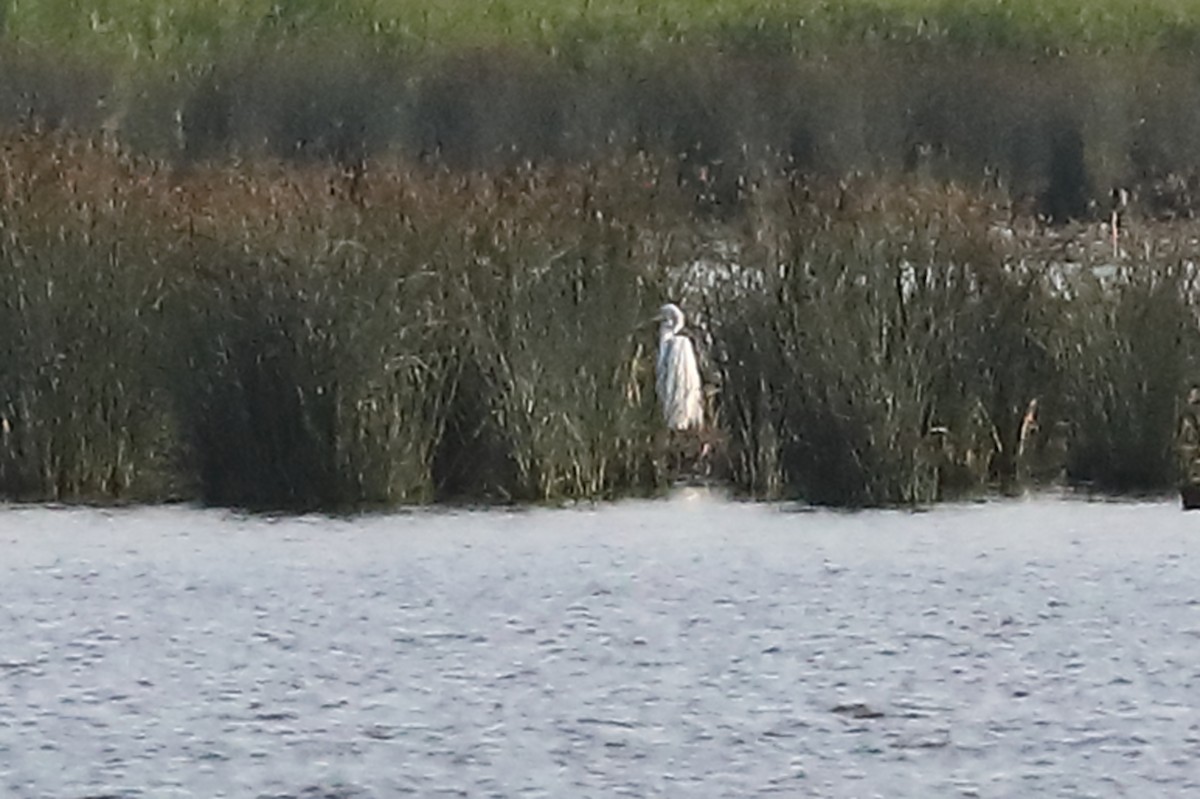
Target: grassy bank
299, 336
141, 31
1055, 103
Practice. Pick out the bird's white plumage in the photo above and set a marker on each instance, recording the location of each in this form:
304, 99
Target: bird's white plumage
676, 373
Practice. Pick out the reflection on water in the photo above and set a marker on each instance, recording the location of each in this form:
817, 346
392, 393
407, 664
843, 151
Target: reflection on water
692, 647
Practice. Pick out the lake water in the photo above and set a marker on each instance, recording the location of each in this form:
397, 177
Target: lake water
689, 647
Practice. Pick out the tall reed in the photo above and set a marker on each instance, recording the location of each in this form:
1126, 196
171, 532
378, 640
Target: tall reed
1131, 338
888, 352
562, 271
308, 338
82, 285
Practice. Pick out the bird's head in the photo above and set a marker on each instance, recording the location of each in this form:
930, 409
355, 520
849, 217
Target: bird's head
670, 317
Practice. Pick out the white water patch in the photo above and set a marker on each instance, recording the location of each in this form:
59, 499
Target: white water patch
686, 647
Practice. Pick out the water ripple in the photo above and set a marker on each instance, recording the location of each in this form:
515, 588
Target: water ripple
1043, 648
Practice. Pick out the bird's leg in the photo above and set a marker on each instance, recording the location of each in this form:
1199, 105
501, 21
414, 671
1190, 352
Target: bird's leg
1115, 236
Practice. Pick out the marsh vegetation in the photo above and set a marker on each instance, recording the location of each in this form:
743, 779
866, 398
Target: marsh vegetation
322, 255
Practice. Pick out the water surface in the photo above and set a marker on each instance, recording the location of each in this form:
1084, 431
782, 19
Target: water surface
686, 648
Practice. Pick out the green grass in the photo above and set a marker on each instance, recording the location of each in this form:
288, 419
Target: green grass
136, 32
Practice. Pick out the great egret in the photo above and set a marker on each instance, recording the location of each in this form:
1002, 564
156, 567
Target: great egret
677, 378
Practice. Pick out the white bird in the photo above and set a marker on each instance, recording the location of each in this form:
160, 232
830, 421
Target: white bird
677, 378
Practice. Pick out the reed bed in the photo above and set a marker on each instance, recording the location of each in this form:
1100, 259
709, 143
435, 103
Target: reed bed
364, 253
275, 335
1140, 335
855, 367
81, 288
557, 327
920, 343
304, 338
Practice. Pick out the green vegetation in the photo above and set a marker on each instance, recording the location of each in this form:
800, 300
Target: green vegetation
894, 352
302, 337
1055, 102
360, 253
147, 31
